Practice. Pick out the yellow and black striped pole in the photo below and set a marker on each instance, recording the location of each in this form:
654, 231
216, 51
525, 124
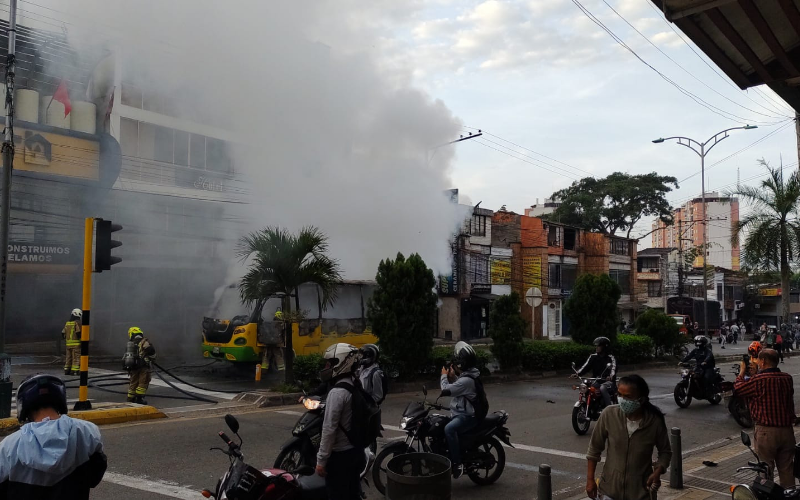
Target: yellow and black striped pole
83, 402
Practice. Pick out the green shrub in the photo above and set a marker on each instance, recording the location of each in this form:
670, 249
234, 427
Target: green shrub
544, 355
506, 328
307, 368
662, 329
592, 308
633, 348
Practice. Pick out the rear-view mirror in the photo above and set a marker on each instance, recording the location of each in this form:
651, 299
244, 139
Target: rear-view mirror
745, 439
425, 390
232, 423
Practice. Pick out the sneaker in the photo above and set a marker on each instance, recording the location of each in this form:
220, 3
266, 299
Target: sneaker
458, 471
67, 372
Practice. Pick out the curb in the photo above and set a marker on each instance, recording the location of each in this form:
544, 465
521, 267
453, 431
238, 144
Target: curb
98, 417
268, 399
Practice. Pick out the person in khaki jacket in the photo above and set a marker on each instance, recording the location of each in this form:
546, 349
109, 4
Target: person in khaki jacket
629, 431
140, 374
72, 338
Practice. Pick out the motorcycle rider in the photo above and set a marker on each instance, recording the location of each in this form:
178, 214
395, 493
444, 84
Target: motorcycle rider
704, 357
753, 350
140, 373
599, 364
458, 381
370, 373
52, 455
338, 461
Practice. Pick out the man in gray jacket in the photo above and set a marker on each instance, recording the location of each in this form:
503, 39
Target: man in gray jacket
458, 382
338, 461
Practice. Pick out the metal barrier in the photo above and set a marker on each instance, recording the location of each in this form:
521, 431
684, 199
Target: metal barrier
676, 465
545, 484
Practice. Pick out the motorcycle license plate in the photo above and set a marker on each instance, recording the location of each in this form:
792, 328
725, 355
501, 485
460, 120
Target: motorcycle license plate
215, 350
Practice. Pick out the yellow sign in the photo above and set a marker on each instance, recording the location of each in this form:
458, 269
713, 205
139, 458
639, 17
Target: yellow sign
532, 271
649, 276
56, 154
769, 292
501, 272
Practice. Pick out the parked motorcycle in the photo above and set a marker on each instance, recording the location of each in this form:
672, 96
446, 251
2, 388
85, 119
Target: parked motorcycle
483, 456
244, 482
693, 386
764, 486
301, 449
590, 402
737, 406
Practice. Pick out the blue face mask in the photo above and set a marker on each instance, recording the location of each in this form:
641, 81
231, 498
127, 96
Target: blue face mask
629, 406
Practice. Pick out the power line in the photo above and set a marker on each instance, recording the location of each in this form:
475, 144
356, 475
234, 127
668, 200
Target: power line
477, 141
695, 98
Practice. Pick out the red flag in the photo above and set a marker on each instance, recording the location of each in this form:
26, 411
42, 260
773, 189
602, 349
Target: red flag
62, 96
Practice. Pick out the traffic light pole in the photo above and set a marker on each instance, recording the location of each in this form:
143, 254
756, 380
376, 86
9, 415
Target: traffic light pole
83, 402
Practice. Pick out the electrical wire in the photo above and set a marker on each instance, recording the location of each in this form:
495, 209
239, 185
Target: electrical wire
477, 141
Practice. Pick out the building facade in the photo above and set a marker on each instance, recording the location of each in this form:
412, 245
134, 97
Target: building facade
686, 233
547, 207
657, 276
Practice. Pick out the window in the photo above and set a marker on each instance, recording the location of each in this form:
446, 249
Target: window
181, 148
570, 238
554, 276
217, 158
131, 95
719, 292
623, 278
569, 273
654, 289
129, 136
620, 247
478, 225
197, 151
553, 239
163, 144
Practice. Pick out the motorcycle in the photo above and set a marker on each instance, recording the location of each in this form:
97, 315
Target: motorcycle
590, 402
692, 386
764, 486
736, 406
484, 458
301, 449
244, 482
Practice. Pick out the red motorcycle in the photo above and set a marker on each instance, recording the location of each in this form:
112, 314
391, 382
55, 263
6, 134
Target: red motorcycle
244, 482
590, 402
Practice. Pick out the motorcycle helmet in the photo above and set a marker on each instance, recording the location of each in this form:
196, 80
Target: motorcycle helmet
40, 391
701, 341
602, 342
369, 354
340, 359
135, 331
754, 349
464, 356
77, 313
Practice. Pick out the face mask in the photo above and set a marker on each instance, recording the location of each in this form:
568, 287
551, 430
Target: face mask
629, 406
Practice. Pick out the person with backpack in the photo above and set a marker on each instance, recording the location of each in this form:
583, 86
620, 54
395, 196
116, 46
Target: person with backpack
372, 378
351, 417
468, 407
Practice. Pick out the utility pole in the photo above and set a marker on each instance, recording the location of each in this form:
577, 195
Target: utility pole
5, 209
680, 257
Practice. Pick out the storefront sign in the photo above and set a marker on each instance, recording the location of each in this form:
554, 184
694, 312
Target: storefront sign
769, 292
479, 288
209, 184
649, 276
501, 272
26, 253
532, 271
68, 154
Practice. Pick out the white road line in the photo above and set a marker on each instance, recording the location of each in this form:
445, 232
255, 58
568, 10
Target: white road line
291, 412
160, 383
165, 488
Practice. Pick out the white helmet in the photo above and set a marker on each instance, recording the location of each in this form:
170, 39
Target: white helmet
77, 313
341, 359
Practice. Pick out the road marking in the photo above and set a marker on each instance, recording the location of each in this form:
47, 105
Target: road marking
164, 488
290, 412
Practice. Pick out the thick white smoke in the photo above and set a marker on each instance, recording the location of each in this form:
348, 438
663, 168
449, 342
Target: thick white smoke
329, 132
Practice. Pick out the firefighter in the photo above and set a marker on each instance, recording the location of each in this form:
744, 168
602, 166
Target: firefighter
72, 337
274, 352
144, 354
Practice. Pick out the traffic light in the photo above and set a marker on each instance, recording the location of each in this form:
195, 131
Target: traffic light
103, 260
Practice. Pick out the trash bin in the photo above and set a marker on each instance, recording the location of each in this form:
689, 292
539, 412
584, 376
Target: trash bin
418, 476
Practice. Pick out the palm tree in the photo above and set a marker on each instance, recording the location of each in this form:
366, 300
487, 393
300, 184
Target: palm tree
772, 227
279, 263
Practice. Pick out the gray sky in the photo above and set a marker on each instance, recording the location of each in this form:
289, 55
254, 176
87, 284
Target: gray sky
540, 74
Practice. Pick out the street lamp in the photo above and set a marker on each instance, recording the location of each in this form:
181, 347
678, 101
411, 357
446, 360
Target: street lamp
702, 149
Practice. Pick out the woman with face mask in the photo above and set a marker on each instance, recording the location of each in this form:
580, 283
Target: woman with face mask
629, 431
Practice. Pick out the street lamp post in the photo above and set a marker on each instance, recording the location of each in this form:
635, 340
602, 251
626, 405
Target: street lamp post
702, 149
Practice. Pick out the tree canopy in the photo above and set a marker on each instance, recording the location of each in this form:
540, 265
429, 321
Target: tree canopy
507, 327
592, 308
615, 203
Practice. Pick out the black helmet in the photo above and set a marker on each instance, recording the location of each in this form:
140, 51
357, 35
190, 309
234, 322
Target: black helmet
701, 341
464, 356
602, 341
369, 354
40, 391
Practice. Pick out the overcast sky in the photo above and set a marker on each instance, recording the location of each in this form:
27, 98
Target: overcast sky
540, 74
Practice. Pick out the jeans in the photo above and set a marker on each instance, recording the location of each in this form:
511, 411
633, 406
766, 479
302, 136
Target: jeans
606, 390
459, 425
344, 468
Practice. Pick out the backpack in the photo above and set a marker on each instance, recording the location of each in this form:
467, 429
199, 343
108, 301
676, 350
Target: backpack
365, 426
384, 385
480, 403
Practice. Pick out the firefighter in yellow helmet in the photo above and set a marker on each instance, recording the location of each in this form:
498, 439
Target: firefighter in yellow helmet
72, 338
138, 364
273, 353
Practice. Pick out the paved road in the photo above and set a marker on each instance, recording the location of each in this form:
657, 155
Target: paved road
170, 458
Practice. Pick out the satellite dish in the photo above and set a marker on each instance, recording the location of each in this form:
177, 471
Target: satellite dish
533, 297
